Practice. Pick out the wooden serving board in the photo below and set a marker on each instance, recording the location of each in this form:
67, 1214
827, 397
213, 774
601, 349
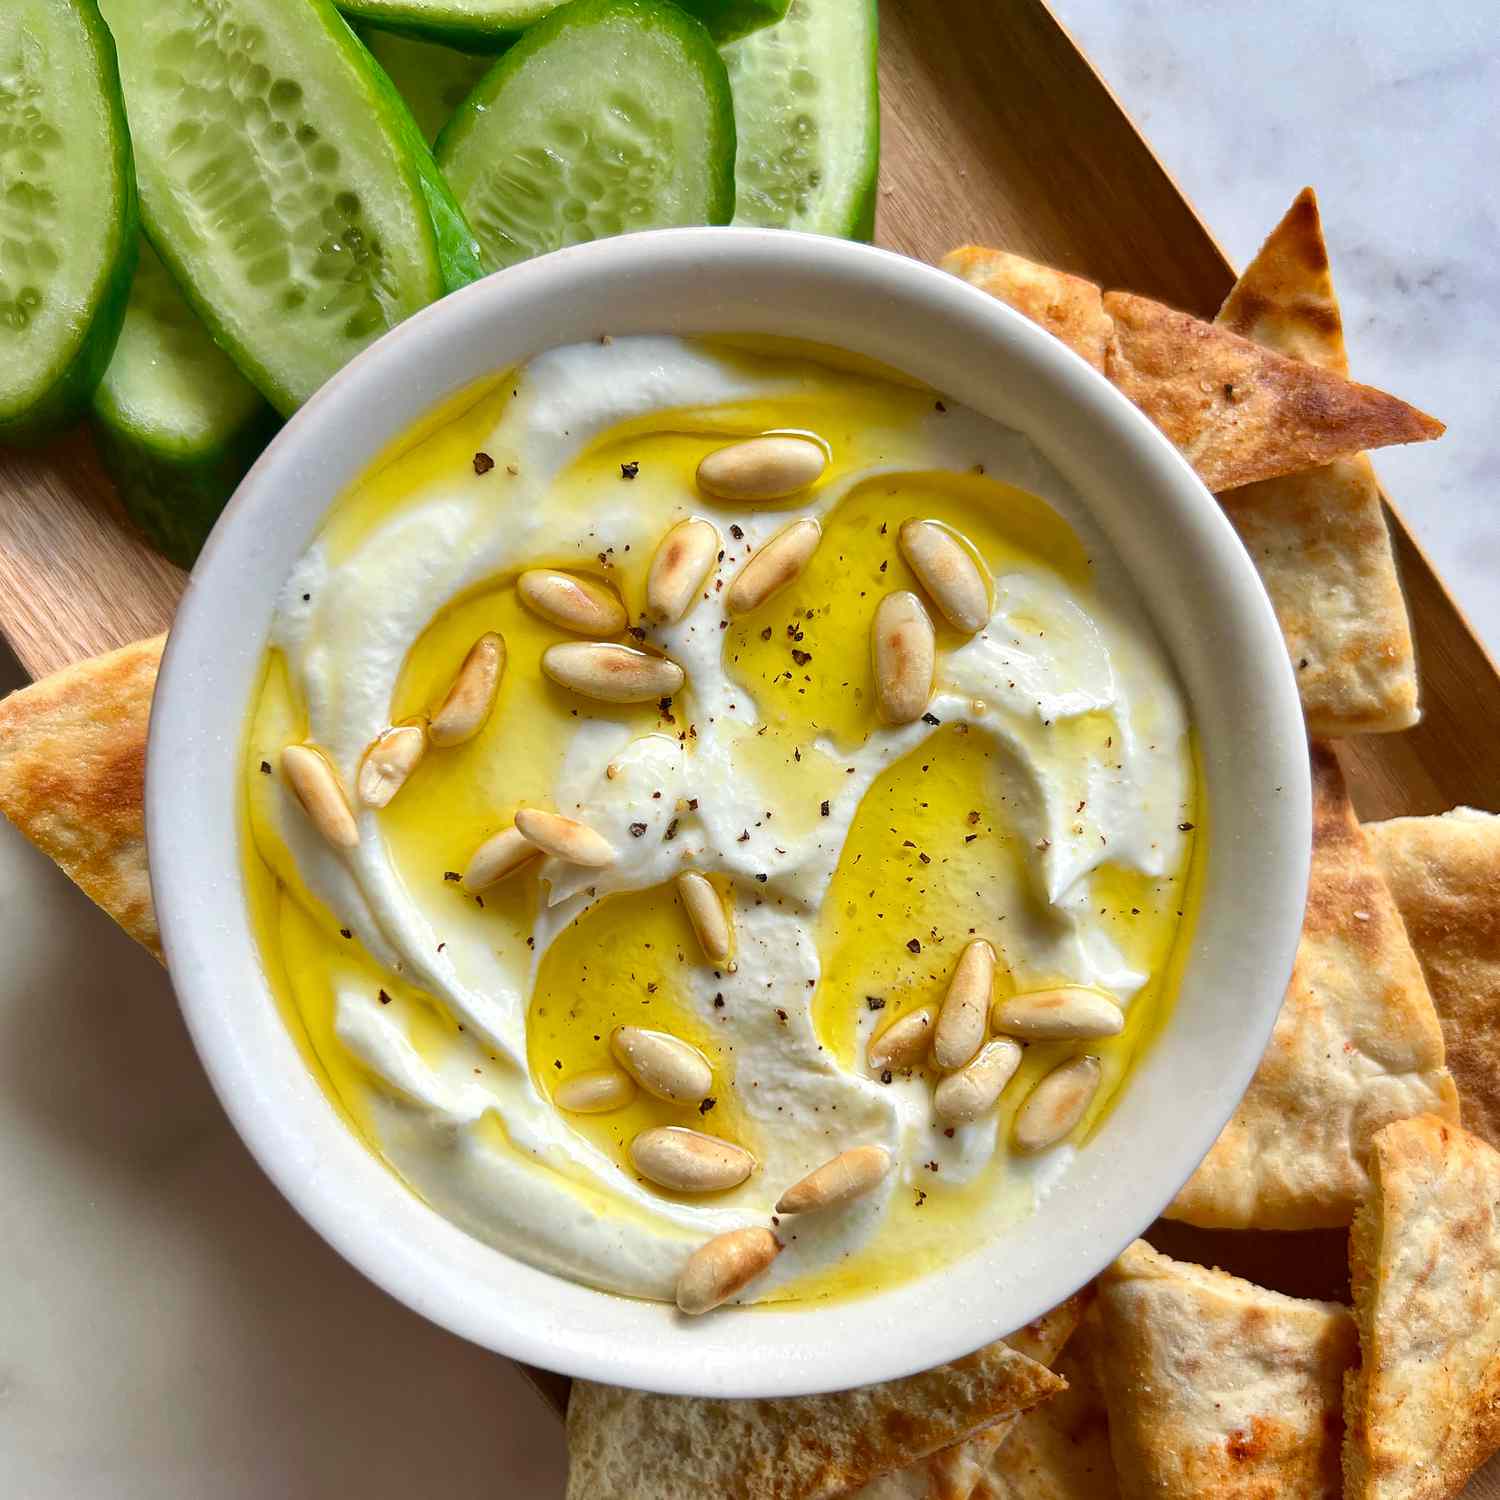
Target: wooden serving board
997, 130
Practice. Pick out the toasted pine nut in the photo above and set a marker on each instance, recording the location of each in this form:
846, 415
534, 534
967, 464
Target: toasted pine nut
763, 468
904, 649
960, 1023
1069, 1011
773, 566
612, 674
672, 1156
850, 1174
595, 1093
662, 1064
679, 569
472, 696
389, 761
973, 1090
1057, 1104
903, 1044
706, 912
947, 570
321, 794
725, 1265
565, 838
577, 604
498, 857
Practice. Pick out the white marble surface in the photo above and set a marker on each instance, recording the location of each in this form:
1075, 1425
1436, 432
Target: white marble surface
169, 1329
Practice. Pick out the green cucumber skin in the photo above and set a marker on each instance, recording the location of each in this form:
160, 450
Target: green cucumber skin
433, 79
719, 136
67, 398
478, 25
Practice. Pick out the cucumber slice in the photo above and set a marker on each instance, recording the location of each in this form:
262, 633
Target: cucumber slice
610, 115
807, 115
283, 182
477, 24
67, 211
433, 79
177, 425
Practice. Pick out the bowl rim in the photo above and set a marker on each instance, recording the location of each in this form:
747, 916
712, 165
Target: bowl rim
1231, 657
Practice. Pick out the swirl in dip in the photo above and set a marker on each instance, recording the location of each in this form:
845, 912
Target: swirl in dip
1043, 802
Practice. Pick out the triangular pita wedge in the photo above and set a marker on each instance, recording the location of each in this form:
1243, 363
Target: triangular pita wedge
1357, 1045
1060, 1449
1068, 307
1423, 1411
953, 1473
628, 1445
72, 776
1319, 538
1238, 412
1445, 875
1219, 1389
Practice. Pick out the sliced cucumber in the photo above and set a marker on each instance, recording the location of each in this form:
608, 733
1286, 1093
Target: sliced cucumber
67, 211
478, 24
807, 116
283, 182
433, 79
610, 115
177, 425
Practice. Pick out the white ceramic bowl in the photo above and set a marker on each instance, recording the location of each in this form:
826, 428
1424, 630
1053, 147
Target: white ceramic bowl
1207, 604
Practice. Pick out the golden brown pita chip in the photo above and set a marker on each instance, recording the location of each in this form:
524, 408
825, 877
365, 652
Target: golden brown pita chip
1060, 1449
1218, 1389
1423, 1411
72, 777
1445, 875
1068, 307
628, 1445
1357, 1045
1319, 538
1238, 412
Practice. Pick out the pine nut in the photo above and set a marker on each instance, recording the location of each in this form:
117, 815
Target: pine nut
504, 854
904, 649
725, 1265
612, 674
851, 1174
321, 794
679, 569
903, 1044
662, 1064
565, 838
947, 570
472, 696
1056, 1105
1071, 1011
577, 604
774, 566
763, 468
960, 1023
389, 761
973, 1090
595, 1093
706, 912
687, 1161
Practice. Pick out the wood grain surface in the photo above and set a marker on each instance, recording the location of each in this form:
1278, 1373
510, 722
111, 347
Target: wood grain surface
996, 129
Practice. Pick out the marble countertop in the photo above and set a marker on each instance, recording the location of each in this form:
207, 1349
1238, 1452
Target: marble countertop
168, 1328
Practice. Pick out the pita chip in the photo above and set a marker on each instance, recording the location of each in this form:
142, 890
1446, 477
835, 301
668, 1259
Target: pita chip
629, 1445
1423, 1410
1218, 1387
1319, 538
1357, 1045
72, 777
1068, 307
1445, 875
1238, 412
